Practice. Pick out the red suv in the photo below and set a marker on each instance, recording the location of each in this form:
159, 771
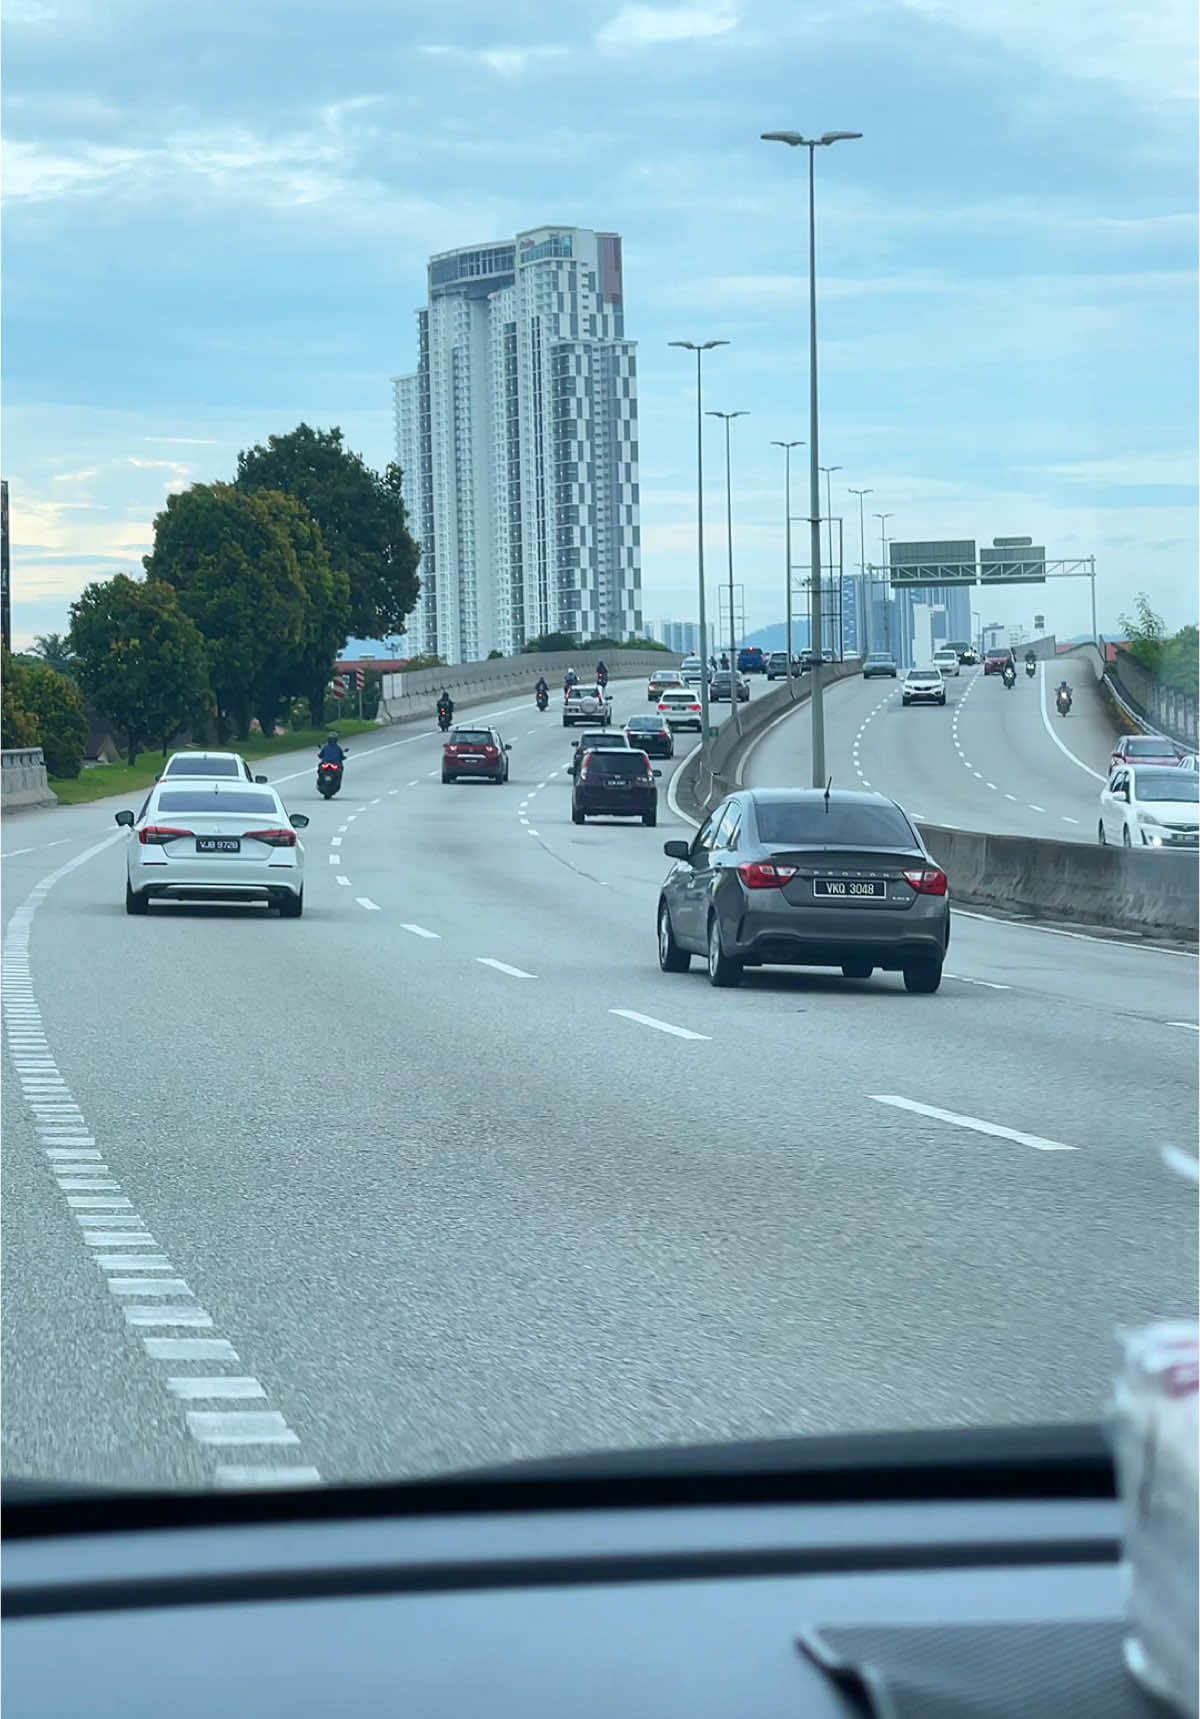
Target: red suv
994, 661
475, 752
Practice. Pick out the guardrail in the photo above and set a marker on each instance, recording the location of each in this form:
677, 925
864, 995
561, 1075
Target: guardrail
23, 779
412, 694
1165, 710
1129, 889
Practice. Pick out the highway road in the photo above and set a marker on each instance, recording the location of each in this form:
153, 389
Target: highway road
447, 1172
993, 760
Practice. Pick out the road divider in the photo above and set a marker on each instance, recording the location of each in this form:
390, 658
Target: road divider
23, 779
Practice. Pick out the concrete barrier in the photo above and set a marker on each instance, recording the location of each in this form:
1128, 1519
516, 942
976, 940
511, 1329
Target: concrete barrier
407, 695
1127, 888
23, 779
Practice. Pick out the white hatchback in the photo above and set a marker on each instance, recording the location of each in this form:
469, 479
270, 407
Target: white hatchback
1150, 806
215, 840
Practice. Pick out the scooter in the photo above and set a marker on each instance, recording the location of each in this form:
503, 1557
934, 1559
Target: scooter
1030, 670
543, 699
1063, 701
329, 778
1009, 678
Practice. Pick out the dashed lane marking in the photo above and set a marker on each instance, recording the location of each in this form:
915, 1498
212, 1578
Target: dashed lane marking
365, 901
420, 931
659, 1026
988, 984
1186, 1026
335, 859
1034, 808
160, 1309
343, 880
975, 1123
503, 967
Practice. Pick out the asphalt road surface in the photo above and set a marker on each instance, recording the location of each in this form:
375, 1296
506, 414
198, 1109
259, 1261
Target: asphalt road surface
993, 760
448, 1172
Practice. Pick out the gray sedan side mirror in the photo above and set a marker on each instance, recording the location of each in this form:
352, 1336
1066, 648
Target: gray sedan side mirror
298, 821
508, 747
677, 850
125, 818
658, 772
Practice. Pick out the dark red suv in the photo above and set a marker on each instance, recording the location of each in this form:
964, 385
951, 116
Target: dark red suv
995, 659
475, 752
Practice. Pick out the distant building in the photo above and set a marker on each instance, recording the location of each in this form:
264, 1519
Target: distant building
681, 637
518, 438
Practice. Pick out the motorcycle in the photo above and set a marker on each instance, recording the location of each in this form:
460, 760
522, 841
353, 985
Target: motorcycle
543, 699
329, 778
1009, 678
1030, 669
602, 678
445, 718
1063, 702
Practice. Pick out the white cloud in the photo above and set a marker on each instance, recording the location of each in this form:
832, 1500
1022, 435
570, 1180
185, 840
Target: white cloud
1137, 470
506, 62
172, 466
645, 26
75, 477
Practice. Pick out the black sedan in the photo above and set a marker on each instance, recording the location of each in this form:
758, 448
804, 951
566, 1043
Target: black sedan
653, 734
797, 877
615, 785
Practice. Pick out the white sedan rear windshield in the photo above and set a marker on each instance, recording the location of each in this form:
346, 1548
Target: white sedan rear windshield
202, 766
679, 697
218, 800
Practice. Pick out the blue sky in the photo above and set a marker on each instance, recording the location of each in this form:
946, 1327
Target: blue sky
217, 221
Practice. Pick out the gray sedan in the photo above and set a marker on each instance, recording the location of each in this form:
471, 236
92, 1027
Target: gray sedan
796, 877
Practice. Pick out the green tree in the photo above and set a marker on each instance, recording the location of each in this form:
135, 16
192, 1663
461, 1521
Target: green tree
494, 656
1145, 632
362, 517
327, 616
62, 722
233, 561
140, 659
1181, 660
55, 651
18, 725
553, 642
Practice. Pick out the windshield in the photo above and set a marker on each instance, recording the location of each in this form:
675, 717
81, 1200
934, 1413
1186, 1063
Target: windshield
1179, 785
1149, 749
357, 355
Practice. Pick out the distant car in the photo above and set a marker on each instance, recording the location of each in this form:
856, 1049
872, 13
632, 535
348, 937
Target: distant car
661, 679
719, 687
1152, 806
614, 739
750, 660
923, 686
476, 752
969, 658
806, 659
777, 665
618, 784
681, 710
1145, 749
961, 649
692, 671
653, 734
1189, 761
587, 704
879, 663
996, 658
214, 839
946, 661
797, 877
210, 765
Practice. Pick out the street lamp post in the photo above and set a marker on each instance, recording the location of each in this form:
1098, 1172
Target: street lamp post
787, 541
887, 595
829, 471
700, 348
728, 418
866, 593
796, 140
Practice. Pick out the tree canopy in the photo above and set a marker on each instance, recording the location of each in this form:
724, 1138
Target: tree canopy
140, 659
361, 513
41, 707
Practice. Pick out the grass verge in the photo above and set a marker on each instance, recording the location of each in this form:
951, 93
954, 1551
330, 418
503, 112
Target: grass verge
108, 781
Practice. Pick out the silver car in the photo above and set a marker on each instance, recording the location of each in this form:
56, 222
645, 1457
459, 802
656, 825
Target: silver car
797, 877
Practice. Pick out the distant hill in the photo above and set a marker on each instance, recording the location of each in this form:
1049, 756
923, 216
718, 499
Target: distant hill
774, 638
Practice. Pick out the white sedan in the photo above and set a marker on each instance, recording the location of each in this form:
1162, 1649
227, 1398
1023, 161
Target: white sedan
681, 709
1151, 806
946, 661
215, 840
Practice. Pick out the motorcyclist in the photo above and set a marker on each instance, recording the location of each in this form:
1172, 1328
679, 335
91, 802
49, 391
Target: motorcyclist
570, 679
602, 673
1010, 672
1031, 657
445, 706
1063, 690
332, 753
724, 661
541, 690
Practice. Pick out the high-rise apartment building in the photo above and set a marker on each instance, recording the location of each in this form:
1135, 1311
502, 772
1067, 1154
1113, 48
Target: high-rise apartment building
518, 438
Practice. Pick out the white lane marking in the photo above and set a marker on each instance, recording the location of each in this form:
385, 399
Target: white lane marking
41, 846
1043, 686
1011, 797
673, 785
106, 1219
342, 828
434, 772
975, 1123
1083, 936
659, 1026
393, 790
420, 931
415, 783
503, 967
993, 787
541, 784
1034, 808
990, 984
335, 841
375, 801
191, 1387
239, 1426
524, 820
531, 832
1185, 1026
236, 1477
1182, 1163
1067, 820
343, 880
335, 859
366, 902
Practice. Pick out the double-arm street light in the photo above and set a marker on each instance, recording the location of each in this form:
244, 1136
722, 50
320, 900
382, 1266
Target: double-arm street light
887, 590
728, 418
829, 471
796, 140
787, 540
866, 594
700, 348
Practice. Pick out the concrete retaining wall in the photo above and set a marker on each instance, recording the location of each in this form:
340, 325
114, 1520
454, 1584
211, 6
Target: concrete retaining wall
415, 694
1129, 889
23, 779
